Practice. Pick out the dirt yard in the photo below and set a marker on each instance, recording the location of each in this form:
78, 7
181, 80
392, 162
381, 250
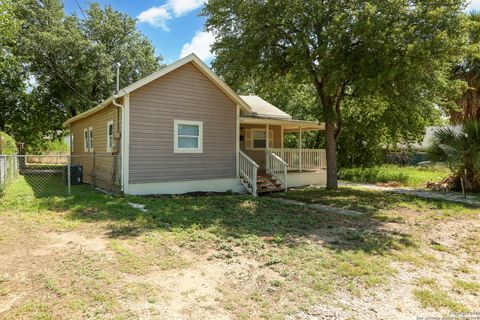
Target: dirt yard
234, 257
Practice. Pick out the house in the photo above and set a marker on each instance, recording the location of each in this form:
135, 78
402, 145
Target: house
182, 129
416, 153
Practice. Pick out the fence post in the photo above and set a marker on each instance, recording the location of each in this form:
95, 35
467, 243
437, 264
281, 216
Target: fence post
2, 174
69, 177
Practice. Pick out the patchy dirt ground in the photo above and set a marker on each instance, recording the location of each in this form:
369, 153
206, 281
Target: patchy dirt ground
51, 265
232, 257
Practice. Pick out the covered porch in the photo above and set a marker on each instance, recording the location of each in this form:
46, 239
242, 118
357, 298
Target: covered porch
267, 165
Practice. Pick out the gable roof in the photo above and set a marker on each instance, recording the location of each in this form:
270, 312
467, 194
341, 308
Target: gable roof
191, 58
262, 108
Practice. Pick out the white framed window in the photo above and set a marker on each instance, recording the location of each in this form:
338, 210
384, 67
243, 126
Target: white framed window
86, 140
257, 139
188, 136
110, 136
90, 134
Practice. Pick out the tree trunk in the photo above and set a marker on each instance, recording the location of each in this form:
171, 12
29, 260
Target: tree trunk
331, 112
331, 150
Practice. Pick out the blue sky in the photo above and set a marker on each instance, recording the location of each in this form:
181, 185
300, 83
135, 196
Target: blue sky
173, 26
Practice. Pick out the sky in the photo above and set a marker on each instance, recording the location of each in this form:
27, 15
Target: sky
174, 26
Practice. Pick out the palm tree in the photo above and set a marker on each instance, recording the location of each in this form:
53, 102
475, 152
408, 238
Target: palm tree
469, 71
459, 147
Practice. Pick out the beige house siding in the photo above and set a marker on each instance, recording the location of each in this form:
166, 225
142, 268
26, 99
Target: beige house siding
184, 94
259, 155
98, 166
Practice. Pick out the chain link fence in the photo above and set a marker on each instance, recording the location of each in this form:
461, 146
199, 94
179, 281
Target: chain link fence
8, 171
59, 175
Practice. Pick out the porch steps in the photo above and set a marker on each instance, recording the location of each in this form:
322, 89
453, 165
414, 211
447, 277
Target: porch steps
267, 184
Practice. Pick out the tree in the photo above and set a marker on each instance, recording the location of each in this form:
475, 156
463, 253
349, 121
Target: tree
469, 70
12, 76
374, 125
398, 49
70, 62
73, 59
460, 149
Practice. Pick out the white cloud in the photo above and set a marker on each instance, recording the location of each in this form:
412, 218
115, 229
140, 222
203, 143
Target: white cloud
181, 7
473, 5
158, 16
200, 45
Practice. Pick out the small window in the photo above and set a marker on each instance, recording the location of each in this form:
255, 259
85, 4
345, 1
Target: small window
90, 134
72, 143
110, 136
188, 136
259, 139
86, 140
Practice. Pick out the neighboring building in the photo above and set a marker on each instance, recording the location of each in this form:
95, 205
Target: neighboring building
182, 129
416, 153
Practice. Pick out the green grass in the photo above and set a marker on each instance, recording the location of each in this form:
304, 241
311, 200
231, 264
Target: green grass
383, 206
295, 252
469, 286
415, 177
438, 299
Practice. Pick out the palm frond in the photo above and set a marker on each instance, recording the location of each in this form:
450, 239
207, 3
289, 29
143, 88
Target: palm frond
460, 149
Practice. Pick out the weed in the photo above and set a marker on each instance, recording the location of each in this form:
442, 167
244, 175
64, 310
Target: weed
469, 286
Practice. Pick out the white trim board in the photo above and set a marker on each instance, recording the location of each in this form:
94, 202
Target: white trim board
237, 143
300, 179
288, 125
179, 187
126, 139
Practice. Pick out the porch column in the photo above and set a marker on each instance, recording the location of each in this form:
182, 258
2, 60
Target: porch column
300, 149
282, 144
267, 163
267, 136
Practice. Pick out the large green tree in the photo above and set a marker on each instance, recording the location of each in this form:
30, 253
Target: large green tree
70, 62
73, 59
398, 49
12, 77
469, 70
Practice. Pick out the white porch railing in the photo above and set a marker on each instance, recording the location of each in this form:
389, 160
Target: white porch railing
278, 168
248, 173
304, 159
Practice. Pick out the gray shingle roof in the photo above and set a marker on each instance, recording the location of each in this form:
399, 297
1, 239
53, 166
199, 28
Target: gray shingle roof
262, 108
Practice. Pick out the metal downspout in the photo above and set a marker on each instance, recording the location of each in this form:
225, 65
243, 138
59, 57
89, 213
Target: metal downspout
122, 108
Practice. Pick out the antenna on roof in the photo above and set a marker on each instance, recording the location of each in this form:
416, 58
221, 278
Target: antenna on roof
118, 65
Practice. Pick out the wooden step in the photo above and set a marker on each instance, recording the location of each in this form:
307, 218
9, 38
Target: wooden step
268, 184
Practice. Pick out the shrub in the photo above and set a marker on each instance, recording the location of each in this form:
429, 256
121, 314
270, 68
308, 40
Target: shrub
459, 148
8, 145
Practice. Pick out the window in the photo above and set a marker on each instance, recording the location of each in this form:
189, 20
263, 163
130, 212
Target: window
110, 136
72, 142
90, 134
88, 139
258, 139
188, 136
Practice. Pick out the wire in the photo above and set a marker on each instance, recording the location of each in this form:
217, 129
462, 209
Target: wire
57, 72
83, 13
63, 79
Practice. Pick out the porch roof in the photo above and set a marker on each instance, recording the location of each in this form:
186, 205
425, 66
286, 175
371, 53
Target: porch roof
289, 125
264, 109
